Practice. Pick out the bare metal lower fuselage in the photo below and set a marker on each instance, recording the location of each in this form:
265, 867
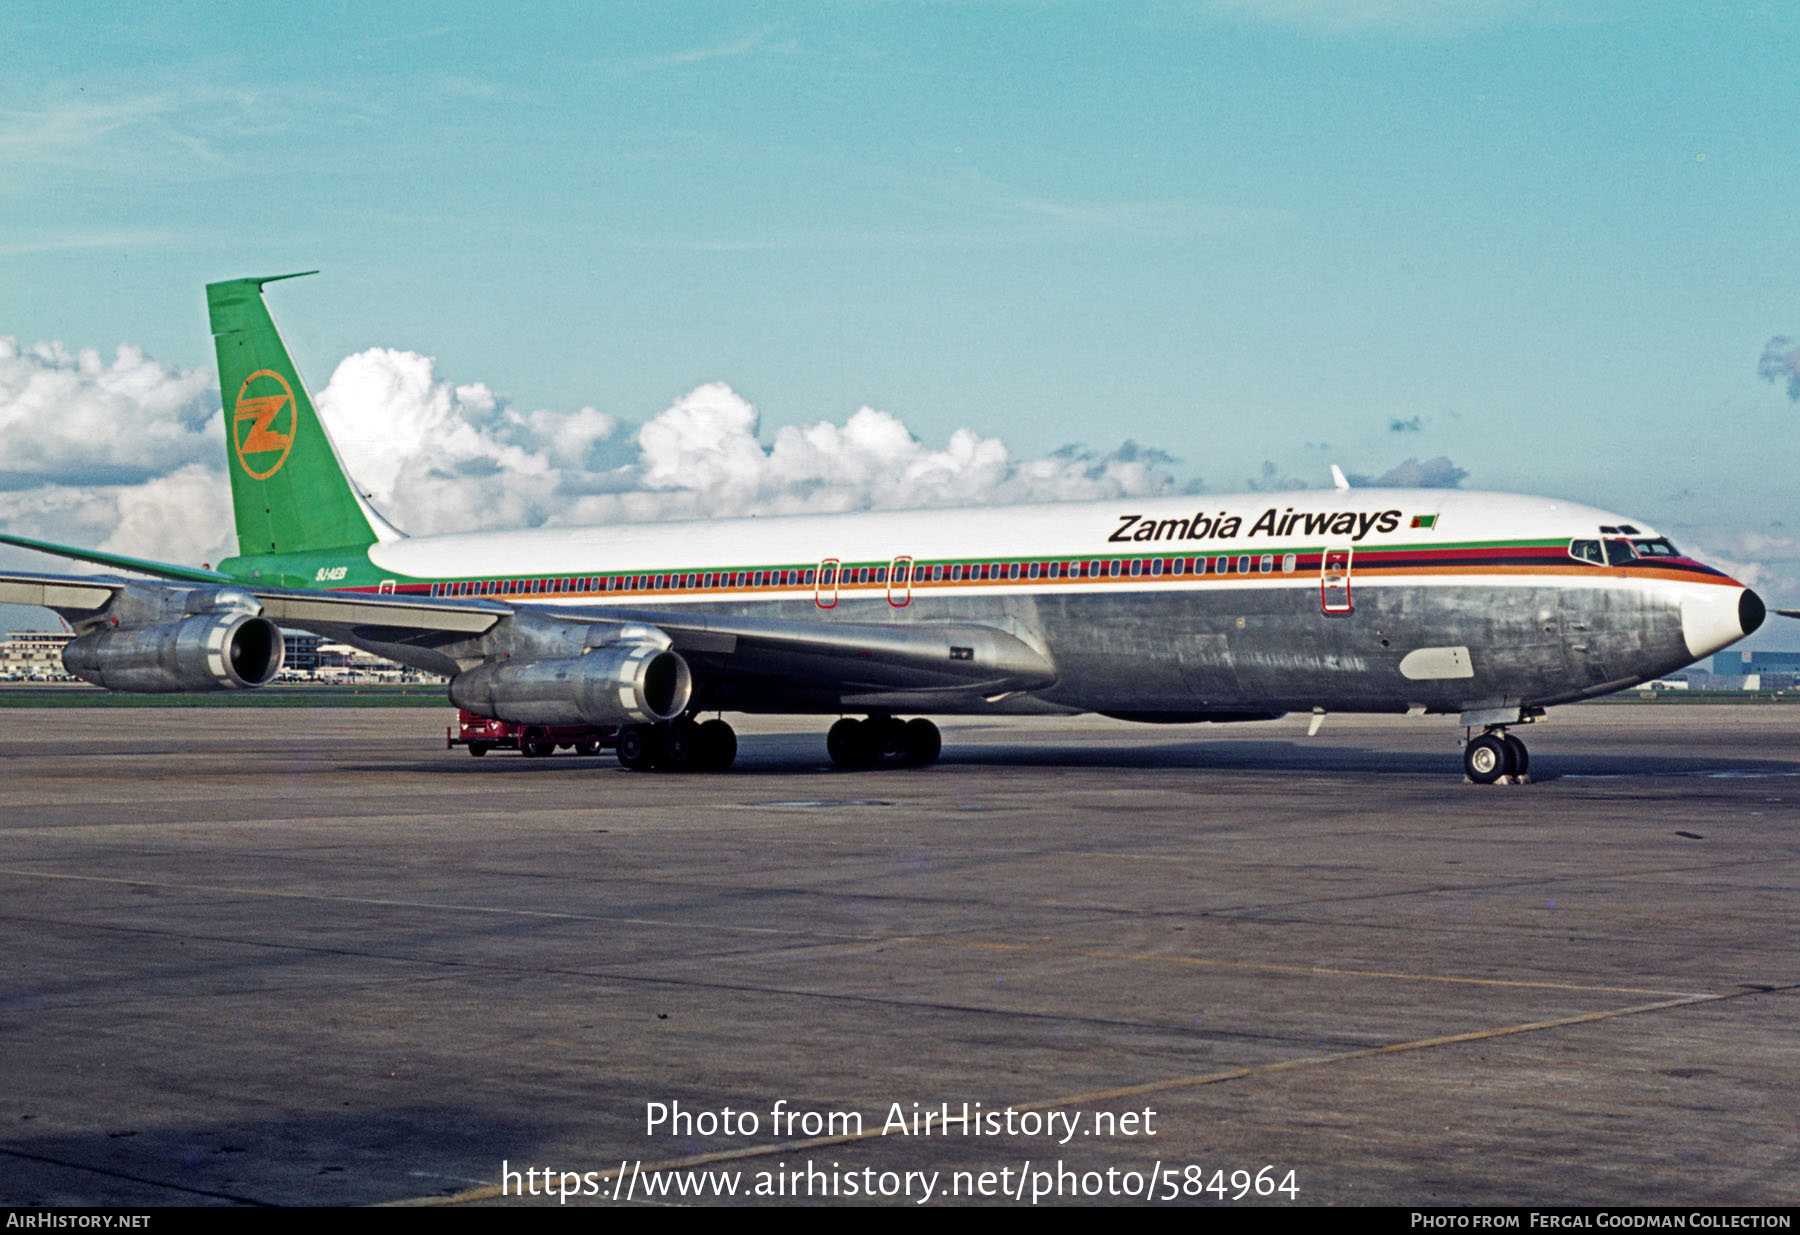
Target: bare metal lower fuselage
1193, 653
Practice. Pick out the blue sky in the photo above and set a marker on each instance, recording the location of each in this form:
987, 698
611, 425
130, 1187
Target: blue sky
1546, 243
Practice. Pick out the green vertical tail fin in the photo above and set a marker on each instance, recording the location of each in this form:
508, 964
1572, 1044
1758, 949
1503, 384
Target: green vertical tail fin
288, 486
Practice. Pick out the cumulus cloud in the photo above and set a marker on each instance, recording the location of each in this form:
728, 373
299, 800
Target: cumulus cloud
184, 517
437, 456
1767, 560
1273, 479
1438, 473
128, 456
73, 418
1781, 363
124, 456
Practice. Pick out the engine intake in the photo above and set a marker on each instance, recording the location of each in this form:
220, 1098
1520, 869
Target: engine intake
209, 651
629, 683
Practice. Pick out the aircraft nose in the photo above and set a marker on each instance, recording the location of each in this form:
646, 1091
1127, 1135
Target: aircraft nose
1751, 611
1710, 622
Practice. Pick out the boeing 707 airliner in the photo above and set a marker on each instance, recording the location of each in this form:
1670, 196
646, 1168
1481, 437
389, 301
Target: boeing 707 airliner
1485, 607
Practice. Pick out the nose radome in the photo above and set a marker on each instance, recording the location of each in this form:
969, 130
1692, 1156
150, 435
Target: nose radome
1719, 617
1751, 611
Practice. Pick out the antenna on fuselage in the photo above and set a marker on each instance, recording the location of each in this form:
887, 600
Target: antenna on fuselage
1338, 479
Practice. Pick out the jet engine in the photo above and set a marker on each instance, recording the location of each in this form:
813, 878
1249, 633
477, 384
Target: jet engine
208, 651
621, 683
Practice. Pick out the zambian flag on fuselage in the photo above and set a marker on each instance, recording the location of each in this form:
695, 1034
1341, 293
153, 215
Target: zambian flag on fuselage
288, 488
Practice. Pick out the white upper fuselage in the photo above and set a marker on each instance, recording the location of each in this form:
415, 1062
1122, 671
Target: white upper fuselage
1088, 529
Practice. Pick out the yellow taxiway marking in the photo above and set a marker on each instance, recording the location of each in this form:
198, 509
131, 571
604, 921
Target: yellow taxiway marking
492, 1192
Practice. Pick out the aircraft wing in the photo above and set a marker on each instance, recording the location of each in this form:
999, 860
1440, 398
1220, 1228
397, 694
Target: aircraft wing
819, 661
68, 595
746, 662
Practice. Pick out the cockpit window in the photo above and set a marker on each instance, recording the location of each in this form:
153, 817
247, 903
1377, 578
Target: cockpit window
1617, 551
1587, 551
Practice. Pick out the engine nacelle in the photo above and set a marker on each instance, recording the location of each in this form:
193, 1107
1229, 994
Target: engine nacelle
622, 683
209, 651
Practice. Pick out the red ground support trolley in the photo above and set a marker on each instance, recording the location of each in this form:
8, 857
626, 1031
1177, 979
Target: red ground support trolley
480, 735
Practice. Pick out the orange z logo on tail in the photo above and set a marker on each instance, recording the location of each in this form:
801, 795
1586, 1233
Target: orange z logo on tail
258, 420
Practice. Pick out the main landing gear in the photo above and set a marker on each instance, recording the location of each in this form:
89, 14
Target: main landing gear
684, 745
690, 745
1496, 753
883, 742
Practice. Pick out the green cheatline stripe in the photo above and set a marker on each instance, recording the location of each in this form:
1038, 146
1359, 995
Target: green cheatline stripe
1137, 550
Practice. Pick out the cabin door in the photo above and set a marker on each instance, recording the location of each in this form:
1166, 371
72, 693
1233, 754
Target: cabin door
899, 590
825, 592
1334, 581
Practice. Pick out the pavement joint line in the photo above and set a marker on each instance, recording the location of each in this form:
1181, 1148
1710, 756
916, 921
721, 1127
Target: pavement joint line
1316, 970
1250, 966
383, 903
491, 1192
109, 1173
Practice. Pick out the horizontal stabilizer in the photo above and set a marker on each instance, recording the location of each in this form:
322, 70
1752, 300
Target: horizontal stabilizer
118, 561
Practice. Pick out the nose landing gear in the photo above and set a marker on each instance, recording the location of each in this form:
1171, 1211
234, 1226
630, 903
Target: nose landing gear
1494, 755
